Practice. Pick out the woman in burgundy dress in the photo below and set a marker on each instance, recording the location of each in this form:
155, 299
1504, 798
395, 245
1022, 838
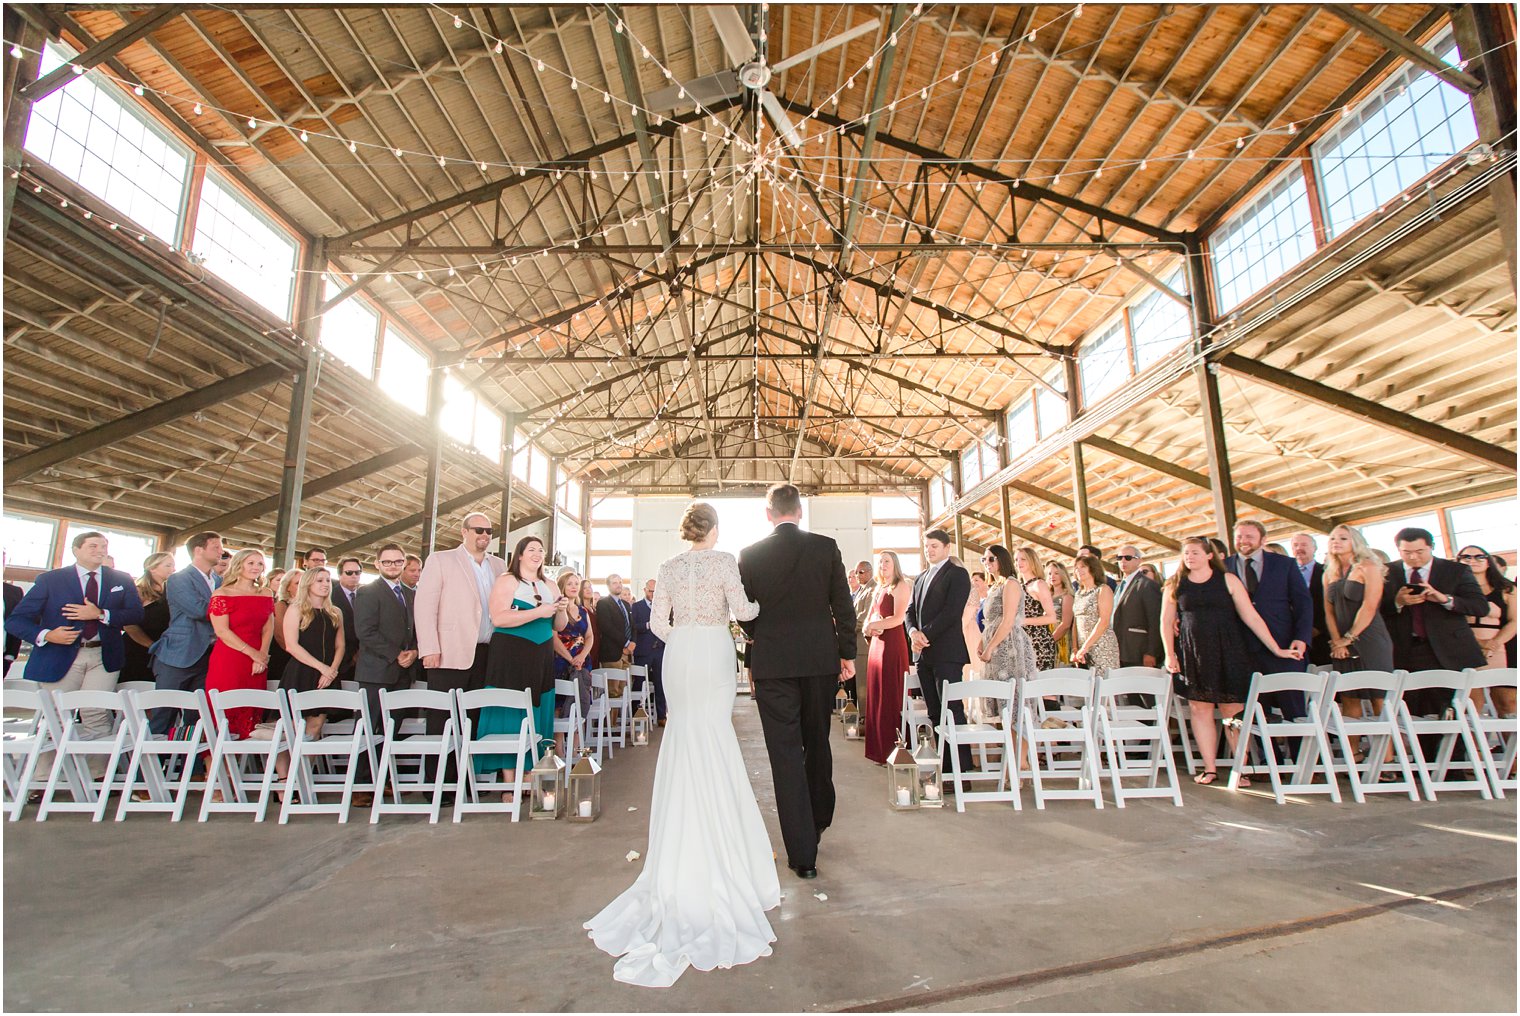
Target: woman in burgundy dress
889, 658
242, 615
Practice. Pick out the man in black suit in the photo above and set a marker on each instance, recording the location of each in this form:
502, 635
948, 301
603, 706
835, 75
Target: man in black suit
649, 651
1426, 603
350, 571
934, 628
13, 596
1137, 613
804, 646
614, 625
1313, 573
384, 617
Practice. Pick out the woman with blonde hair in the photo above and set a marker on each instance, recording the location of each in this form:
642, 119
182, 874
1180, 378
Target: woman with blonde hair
1062, 596
1359, 640
889, 657
1039, 609
242, 616
314, 640
138, 666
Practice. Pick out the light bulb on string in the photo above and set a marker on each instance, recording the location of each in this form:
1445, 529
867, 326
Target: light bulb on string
77, 69
252, 123
138, 91
16, 51
498, 48
353, 149
305, 137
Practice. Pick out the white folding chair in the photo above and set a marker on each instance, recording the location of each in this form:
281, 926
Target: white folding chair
639, 696
149, 750
1381, 730
1074, 686
304, 787
915, 712
227, 773
1486, 723
420, 747
604, 731
572, 725
32, 729
1435, 774
1004, 773
73, 753
1122, 726
1313, 744
1177, 709
523, 743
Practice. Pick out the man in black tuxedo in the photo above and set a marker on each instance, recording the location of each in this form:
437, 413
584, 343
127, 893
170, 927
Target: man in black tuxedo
934, 628
350, 573
1313, 573
384, 617
1426, 603
804, 646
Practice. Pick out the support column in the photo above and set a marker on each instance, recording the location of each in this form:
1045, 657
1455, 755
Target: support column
1485, 30
1005, 456
434, 466
509, 430
586, 528
18, 74
1220, 483
956, 483
553, 508
1078, 471
302, 397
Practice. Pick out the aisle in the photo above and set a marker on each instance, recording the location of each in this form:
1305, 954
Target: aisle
486, 915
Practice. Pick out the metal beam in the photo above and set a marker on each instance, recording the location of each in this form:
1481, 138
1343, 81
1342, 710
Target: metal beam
465, 500
1201, 317
1169, 468
293, 464
1371, 412
100, 51
1404, 47
1080, 508
1486, 34
428, 517
508, 453
1112, 521
634, 91
27, 464
321, 485
19, 73
562, 247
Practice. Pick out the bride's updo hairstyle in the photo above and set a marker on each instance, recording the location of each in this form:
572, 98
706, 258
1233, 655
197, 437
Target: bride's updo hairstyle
699, 519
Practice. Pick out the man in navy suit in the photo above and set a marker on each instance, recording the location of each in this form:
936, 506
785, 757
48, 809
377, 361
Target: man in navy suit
181, 653
1282, 599
74, 617
648, 650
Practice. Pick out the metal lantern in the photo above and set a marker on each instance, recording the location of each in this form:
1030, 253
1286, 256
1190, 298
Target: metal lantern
902, 778
547, 781
640, 722
841, 699
930, 774
585, 788
850, 717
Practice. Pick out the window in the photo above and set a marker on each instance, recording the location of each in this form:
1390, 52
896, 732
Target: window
941, 493
349, 330
103, 142
1490, 525
1412, 125
1050, 407
1159, 324
488, 431
520, 453
894, 536
613, 539
1261, 242
971, 466
128, 550
1379, 535
243, 246
569, 494
538, 470
1104, 362
894, 507
470, 422
404, 372
29, 542
1022, 432
612, 509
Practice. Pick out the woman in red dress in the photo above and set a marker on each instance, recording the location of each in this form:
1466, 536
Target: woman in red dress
242, 615
889, 658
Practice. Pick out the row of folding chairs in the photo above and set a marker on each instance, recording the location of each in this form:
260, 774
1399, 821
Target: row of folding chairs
45, 750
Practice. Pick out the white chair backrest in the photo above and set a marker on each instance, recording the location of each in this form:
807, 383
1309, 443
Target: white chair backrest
68, 701
911, 682
1072, 681
569, 689
139, 686
1422, 680
511, 698
1502, 677
1134, 681
319, 699
1288, 680
415, 698
245, 698
166, 698
1364, 680
957, 691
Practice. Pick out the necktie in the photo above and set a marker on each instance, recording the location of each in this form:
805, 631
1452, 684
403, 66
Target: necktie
1252, 579
1417, 618
91, 595
400, 596
1122, 583
1307, 571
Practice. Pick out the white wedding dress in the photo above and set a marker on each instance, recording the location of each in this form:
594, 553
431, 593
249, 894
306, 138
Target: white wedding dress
709, 875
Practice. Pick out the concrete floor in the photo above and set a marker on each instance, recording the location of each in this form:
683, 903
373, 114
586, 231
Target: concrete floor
1230, 903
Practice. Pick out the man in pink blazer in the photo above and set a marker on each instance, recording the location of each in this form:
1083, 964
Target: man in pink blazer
453, 625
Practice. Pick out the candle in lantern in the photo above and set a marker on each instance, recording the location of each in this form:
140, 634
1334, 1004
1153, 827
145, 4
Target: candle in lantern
902, 797
548, 800
585, 809
851, 731
931, 791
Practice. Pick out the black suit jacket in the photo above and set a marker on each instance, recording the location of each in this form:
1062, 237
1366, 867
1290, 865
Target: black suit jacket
1450, 637
1319, 646
937, 610
1137, 621
350, 634
385, 629
807, 619
13, 596
614, 628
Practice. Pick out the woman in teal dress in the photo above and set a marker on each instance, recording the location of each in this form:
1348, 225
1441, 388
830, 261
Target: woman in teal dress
527, 610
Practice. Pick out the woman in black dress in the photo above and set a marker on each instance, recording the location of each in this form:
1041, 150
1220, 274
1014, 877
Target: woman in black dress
138, 666
314, 639
1496, 630
1201, 611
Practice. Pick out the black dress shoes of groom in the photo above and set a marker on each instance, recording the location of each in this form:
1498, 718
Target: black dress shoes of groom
804, 872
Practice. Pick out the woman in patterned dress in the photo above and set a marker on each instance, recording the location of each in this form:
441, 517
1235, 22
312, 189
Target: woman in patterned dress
1097, 648
1006, 651
1039, 611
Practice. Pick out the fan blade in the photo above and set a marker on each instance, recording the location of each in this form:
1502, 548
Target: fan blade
783, 123
707, 90
839, 40
735, 35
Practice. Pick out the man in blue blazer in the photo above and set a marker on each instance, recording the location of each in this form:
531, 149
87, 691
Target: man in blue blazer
74, 617
180, 655
1281, 598
648, 650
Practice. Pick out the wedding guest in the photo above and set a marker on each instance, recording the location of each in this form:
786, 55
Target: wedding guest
350, 572
1136, 613
1205, 647
1088, 550
1313, 573
181, 654
314, 639
1277, 548
887, 660
242, 616
453, 623
1218, 549
649, 651
1007, 651
316, 557
140, 637
1355, 633
862, 590
1426, 603
1039, 611
1097, 648
526, 611
588, 600
13, 595
614, 626
935, 609
1495, 630
274, 580
1281, 598
1151, 573
1062, 595
221, 566
973, 619
279, 656
385, 622
411, 572
575, 644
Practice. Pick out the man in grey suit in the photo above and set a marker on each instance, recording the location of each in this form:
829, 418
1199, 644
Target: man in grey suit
181, 653
385, 620
1137, 613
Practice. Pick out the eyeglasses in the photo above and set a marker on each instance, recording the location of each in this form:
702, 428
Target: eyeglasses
347, 571
1472, 557
482, 530
1126, 557
391, 560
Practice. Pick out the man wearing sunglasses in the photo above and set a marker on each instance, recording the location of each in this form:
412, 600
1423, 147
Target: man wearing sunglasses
350, 573
1137, 613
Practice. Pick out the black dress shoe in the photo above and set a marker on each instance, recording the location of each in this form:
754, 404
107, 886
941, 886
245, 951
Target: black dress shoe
804, 872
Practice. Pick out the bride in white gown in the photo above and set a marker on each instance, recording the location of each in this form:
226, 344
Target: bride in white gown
709, 875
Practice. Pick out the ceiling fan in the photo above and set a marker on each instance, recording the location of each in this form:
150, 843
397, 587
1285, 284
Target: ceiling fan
749, 70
